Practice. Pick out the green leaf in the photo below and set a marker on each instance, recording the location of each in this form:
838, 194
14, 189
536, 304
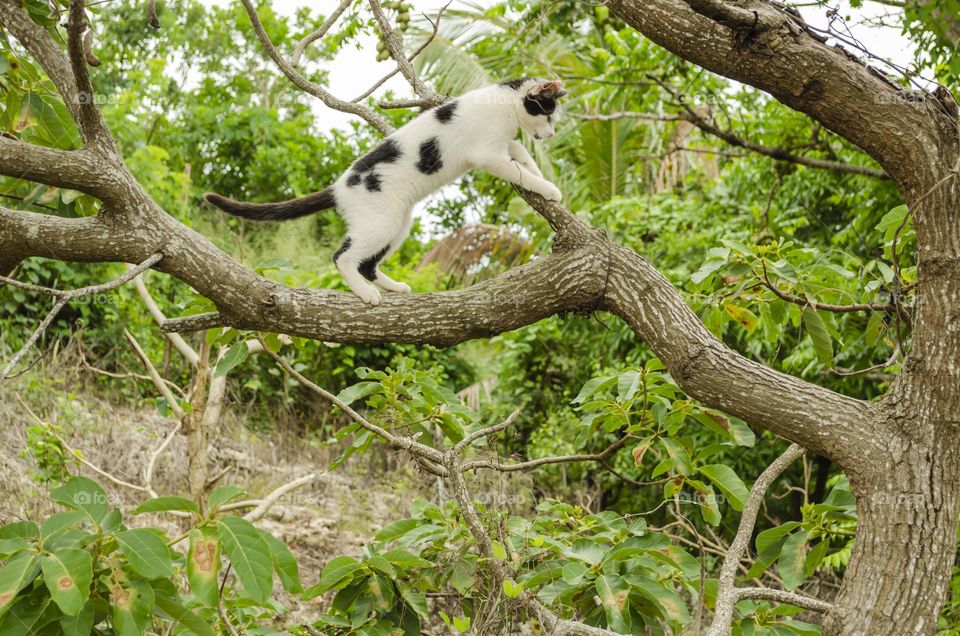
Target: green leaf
18, 572
147, 552
250, 556
397, 529
29, 616
728, 483
59, 523
592, 386
672, 607
203, 565
80, 493
511, 588
875, 328
405, 560
163, 504
177, 612
133, 603
232, 359
284, 563
792, 564
81, 624
614, 594
67, 575
222, 495
337, 573
360, 390
822, 342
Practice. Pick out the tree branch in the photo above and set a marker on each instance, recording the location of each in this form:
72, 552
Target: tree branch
319, 33
89, 119
727, 594
781, 57
295, 76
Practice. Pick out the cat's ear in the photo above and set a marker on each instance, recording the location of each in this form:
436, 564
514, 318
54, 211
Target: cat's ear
547, 90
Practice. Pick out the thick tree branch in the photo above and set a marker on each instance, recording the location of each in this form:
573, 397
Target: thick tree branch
585, 273
83, 170
780, 57
40, 45
92, 127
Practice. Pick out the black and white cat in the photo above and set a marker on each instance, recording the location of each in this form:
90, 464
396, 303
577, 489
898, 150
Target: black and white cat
377, 194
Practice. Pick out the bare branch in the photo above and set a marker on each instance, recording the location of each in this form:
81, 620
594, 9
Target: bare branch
840, 309
782, 596
63, 298
175, 339
727, 594
172, 401
395, 45
411, 57
295, 76
319, 33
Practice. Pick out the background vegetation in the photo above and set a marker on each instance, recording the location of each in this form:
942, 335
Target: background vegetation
632, 543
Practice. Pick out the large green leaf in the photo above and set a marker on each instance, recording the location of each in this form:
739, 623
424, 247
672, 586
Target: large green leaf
614, 594
80, 493
80, 624
15, 575
792, 564
147, 552
232, 359
285, 564
174, 609
250, 556
132, 603
203, 565
728, 483
822, 341
337, 573
68, 574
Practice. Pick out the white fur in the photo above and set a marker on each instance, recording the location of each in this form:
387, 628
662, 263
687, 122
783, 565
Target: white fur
480, 135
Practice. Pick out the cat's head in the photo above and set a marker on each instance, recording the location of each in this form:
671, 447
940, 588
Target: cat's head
537, 105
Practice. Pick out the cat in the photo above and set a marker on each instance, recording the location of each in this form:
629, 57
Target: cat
377, 194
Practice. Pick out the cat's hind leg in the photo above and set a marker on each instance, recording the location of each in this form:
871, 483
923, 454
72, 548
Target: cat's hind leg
382, 280
356, 261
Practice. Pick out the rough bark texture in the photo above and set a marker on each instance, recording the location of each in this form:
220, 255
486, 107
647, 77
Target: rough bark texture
900, 452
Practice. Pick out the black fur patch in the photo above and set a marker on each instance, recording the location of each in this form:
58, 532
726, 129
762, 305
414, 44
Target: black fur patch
354, 179
372, 182
387, 152
342, 249
445, 113
368, 266
515, 84
541, 106
430, 160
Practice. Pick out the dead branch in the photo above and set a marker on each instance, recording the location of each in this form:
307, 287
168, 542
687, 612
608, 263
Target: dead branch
63, 298
295, 76
727, 594
319, 33
171, 400
383, 80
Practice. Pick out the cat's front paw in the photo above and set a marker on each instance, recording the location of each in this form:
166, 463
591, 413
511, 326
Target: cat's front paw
368, 295
551, 192
402, 288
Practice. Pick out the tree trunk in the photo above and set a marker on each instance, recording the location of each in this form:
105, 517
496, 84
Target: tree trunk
904, 551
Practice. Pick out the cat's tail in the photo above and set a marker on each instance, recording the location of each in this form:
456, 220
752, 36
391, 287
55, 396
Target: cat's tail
281, 211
